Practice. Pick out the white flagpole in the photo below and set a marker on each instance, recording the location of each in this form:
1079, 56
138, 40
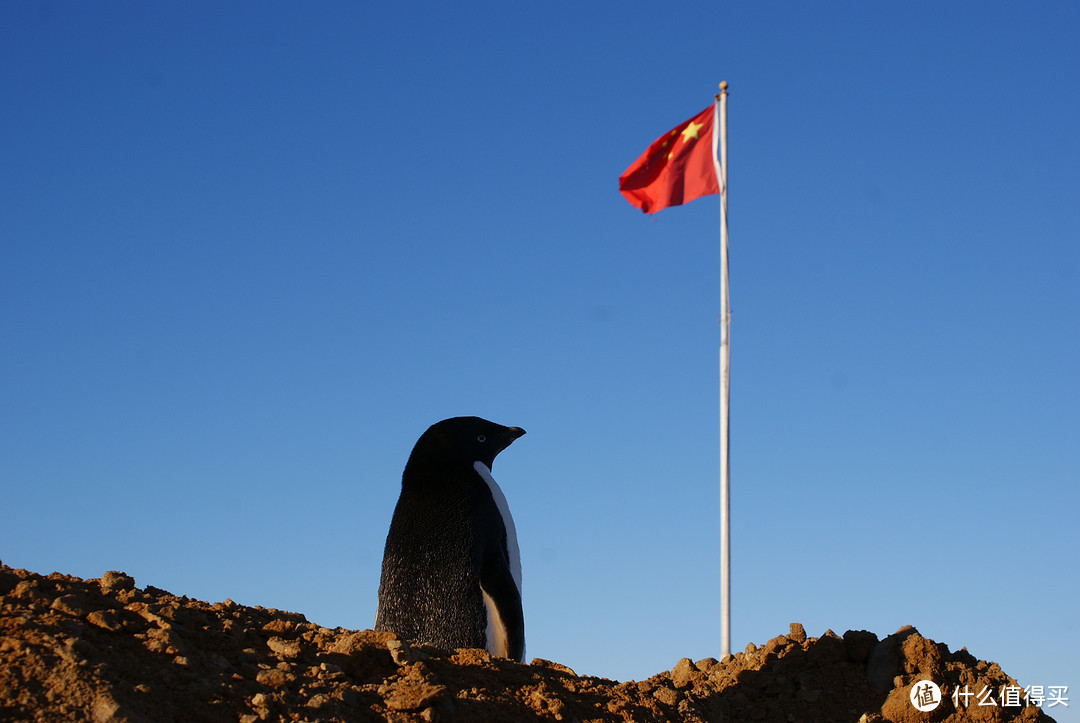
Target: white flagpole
720, 163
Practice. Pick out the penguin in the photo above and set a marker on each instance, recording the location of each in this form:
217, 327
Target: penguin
451, 570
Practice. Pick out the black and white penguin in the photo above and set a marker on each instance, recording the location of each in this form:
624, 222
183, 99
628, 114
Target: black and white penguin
451, 571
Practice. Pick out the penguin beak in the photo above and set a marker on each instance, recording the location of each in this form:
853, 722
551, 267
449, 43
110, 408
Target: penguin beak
509, 435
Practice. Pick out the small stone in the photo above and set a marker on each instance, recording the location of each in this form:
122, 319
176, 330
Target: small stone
70, 605
859, 643
317, 701
797, 633
682, 673
273, 678
667, 696
113, 580
163, 641
775, 644
30, 590
399, 652
551, 665
284, 648
705, 664
415, 695
827, 649
104, 707
105, 619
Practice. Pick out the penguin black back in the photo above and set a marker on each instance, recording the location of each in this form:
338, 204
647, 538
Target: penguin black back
451, 573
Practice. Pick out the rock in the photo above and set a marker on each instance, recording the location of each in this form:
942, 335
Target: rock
273, 678
541, 663
399, 652
797, 633
114, 581
827, 649
706, 664
775, 644
414, 694
859, 643
284, 648
682, 673
105, 619
30, 590
69, 605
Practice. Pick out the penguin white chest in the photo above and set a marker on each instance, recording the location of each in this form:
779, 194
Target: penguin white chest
498, 637
508, 521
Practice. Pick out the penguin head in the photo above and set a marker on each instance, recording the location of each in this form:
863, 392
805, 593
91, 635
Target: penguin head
466, 439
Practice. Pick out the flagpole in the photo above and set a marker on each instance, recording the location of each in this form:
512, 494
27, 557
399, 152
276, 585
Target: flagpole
720, 162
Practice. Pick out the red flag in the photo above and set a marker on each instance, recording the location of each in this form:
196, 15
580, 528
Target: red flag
676, 168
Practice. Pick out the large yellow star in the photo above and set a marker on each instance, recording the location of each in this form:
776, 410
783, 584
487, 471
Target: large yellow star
691, 131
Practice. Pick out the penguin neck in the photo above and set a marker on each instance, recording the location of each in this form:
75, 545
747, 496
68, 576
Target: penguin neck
508, 522
429, 473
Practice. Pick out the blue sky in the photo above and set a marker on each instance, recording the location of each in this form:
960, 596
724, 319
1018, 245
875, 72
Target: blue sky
249, 252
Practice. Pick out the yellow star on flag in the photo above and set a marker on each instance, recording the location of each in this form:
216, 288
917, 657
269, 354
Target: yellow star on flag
691, 131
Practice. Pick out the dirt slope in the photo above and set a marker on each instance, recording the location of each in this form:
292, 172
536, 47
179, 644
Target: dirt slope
104, 650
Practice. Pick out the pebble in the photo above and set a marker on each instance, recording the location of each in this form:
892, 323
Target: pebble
399, 652
317, 701
706, 664
682, 673
285, 648
114, 580
272, 678
105, 619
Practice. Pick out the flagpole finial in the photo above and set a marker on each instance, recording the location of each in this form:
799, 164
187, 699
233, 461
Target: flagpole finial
723, 89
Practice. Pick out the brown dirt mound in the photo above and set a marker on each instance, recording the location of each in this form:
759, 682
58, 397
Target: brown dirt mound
104, 650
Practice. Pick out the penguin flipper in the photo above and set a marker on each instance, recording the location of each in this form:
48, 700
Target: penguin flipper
506, 621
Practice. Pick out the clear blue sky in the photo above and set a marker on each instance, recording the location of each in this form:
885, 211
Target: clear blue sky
249, 252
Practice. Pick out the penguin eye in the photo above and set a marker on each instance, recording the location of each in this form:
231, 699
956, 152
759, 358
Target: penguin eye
481, 438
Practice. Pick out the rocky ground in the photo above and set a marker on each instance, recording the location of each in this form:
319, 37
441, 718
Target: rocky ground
104, 650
